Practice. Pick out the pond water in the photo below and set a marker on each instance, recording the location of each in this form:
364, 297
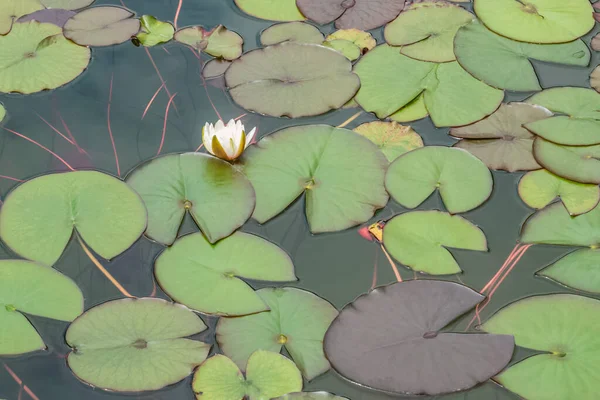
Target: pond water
337, 266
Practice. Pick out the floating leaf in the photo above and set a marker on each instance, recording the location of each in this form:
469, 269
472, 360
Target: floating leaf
218, 197
504, 63
500, 140
364, 40
341, 172
578, 270
102, 26
412, 111
359, 14
27, 287
27, 68
54, 16
390, 81
300, 32
418, 239
595, 43
268, 375
347, 48
38, 217
595, 79
2, 112
154, 31
537, 21
206, 277
11, 10
464, 182
554, 225
215, 68
134, 345
565, 328
310, 396
426, 30
579, 123
390, 340
218, 42
67, 4
297, 320
577, 163
392, 138
274, 10
539, 188
292, 79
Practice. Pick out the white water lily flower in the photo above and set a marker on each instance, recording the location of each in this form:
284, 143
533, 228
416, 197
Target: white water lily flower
227, 142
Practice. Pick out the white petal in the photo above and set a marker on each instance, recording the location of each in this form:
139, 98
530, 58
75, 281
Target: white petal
219, 125
250, 136
207, 138
231, 123
237, 139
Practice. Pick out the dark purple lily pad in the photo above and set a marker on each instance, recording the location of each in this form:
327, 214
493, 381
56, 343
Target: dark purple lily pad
359, 14
54, 16
390, 340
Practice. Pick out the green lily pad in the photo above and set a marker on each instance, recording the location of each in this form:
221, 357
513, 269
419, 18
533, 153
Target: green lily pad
218, 42
537, 21
215, 68
67, 4
31, 62
310, 396
27, 287
418, 239
341, 172
412, 111
347, 48
268, 375
102, 26
580, 122
11, 10
426, 30
554, 225
392, 138
297, 320
577, 163
56, 16
390, 81
300, 32
154, 31
500, 140
134, 345
38, 217
218, 197
364, 40
464, 182
280, 81
206, 277
578, 270
2, 112
274, 10
540, 188
565, 328
504, 63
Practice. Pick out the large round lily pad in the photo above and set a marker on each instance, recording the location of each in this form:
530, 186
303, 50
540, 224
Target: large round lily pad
359, 14
310, 396
579, 122
275, 10
554, 225
206, 277
419, 239
218, 42
537, 21
390, 340
134, 345
577, 163
300, 32
37, 56
500, 140
562, 326
340, 172
102, 26
579, 270
38, 217
56, 16
426, 30
392, 138
34, 289
67, 4
504, 63
218, 197
539, 188
390, 81
297, 320
464, 182
11, 10
292, 79
268, 375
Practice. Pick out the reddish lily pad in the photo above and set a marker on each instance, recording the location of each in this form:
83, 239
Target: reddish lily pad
390, 339
300, 32
66, 4
54, 16
102, 26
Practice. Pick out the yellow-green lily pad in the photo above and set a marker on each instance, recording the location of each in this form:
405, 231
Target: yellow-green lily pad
218, 42
577, 163
347, 48
11, 10
364, 40
274, 10
154, 31
300, 32
579, 270
413, 111
392, 138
